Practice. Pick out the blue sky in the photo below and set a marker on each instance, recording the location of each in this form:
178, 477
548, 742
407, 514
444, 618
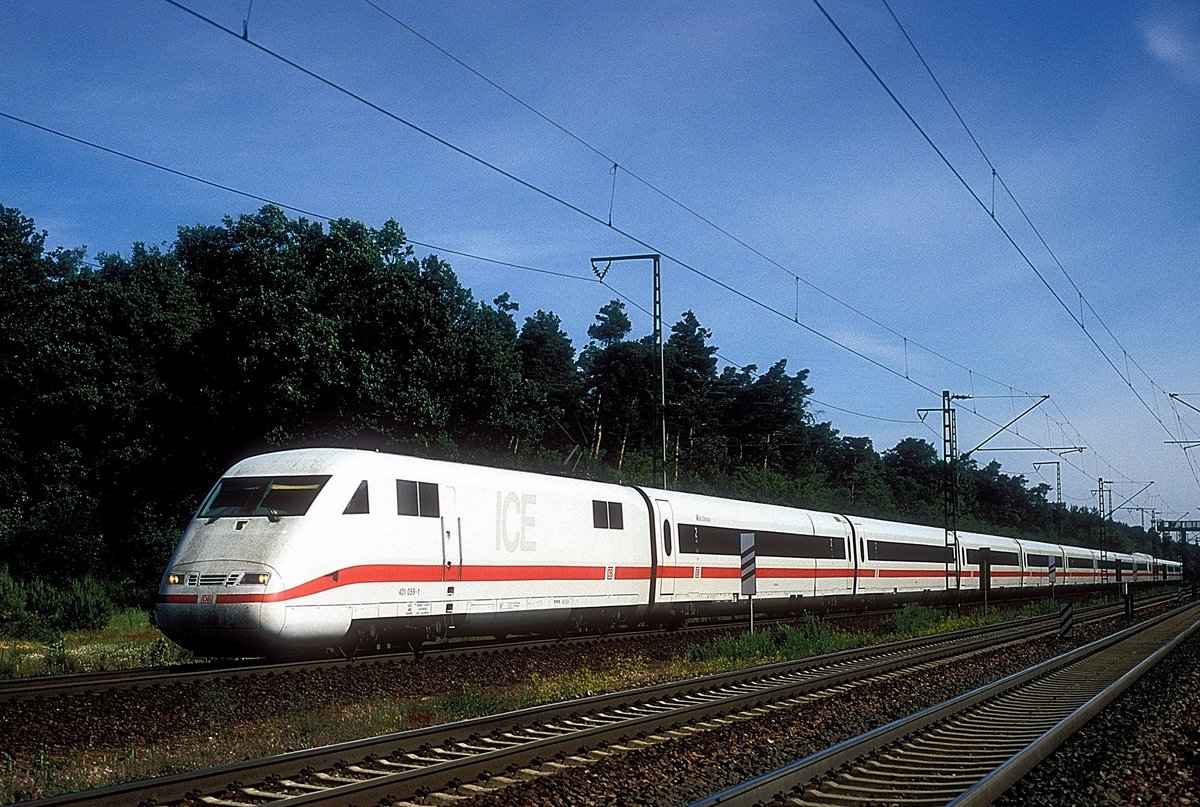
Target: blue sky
759, 117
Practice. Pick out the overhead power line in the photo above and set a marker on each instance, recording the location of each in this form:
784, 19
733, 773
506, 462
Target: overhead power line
618, 165
265, 199
592, 217
541, 191
1004, 231
1021, 209
327, 218
485, 163
657, 189
1017, 202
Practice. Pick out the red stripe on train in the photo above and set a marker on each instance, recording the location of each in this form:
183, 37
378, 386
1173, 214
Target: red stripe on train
411, 573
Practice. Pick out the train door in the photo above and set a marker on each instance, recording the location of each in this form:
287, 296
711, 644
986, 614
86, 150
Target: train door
865, 581
451, 536
856, 556
668, 548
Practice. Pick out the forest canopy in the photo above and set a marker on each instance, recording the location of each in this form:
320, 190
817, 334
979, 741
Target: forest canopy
127, 387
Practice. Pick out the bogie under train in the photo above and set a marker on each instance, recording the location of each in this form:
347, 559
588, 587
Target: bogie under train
304, 550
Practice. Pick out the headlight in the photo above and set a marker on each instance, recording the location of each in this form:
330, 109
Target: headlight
255, 578
174, 579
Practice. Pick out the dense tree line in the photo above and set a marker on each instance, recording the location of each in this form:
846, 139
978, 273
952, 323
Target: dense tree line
127, 387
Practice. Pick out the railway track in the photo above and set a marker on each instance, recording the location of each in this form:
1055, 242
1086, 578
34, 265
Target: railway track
49, 686
480, 755
52, 686
971, 749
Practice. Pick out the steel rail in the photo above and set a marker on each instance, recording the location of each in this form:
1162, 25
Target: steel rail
970, 749
49, 686
407, 762
52, 686
1021, 763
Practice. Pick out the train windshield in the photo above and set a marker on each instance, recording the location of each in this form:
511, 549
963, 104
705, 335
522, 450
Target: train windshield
271, 496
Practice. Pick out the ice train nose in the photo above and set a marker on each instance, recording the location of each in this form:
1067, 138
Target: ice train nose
220, 608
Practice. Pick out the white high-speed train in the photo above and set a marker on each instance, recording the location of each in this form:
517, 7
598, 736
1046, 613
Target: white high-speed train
301, 550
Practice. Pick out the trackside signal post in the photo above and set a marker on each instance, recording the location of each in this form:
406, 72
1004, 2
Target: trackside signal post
749, 573
1066, 621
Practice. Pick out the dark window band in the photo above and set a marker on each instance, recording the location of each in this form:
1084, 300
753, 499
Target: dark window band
997, 558
909, 553
704, 539
1036, 561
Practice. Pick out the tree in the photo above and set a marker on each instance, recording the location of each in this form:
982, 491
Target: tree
623, 397
127, 389
548, 365
764, 414
690, 365
611, 325
619, 389
914, 474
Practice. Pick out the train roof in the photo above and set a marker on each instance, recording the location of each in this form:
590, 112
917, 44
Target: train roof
353, 461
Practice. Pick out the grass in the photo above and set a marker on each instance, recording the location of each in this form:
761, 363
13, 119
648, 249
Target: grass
812, 637
126, 642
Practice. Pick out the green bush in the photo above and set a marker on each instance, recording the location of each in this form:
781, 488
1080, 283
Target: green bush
1039, 608
913, 620
85, 605
814, 637
40, 611
45, 602
758, 646
12, 598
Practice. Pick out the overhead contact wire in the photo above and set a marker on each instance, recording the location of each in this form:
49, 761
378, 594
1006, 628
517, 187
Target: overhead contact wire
721, 284
323, 217
616, 165
983, 205
528, 185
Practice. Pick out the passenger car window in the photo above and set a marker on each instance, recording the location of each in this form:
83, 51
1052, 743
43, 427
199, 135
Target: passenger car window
427, 499
406, 498
607, 515
599, 514
417, 498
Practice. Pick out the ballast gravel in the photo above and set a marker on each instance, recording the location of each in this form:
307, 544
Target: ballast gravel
684, 770
1145, 750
